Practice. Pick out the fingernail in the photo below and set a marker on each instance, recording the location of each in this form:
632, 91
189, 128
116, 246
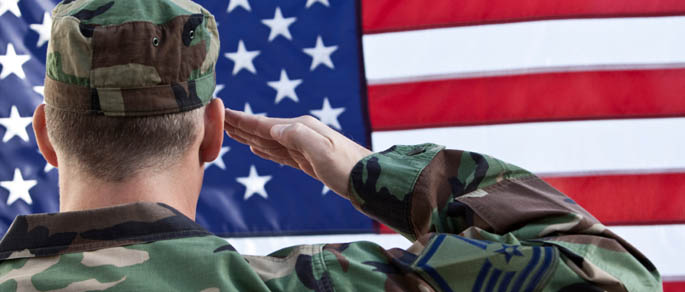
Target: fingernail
277, 130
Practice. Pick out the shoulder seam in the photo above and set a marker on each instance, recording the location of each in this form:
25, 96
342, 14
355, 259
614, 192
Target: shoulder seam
408, 204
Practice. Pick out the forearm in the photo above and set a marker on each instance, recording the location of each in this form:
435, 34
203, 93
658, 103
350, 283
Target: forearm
425, 188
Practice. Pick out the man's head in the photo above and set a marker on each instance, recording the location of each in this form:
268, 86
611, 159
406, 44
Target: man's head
127, 84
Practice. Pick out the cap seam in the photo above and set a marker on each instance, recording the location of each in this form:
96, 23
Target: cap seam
130, 88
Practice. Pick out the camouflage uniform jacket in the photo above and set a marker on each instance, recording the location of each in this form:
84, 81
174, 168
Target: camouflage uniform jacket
478, 224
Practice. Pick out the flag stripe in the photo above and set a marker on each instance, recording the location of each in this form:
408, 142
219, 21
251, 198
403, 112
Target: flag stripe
524, 98
662, 244
643, 198
561, 148
554, 45
674, 286
394, 15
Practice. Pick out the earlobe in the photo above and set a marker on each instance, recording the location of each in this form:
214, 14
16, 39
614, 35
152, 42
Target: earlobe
214, 131
41, 133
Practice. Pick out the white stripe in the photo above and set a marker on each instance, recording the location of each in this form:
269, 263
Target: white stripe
679, 278
526, 46
556, 148
662, 244
520, 71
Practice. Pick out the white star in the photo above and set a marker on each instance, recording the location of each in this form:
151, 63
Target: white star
325, 190
48, 167
40, 90
279, 25
248, 110
18, 188
320, 54
11, 63
15, 125
232, 4
329, 115
312, 2
254, 184
217, 88
219, 161
285, 87
242, 59
11, 6
43, 30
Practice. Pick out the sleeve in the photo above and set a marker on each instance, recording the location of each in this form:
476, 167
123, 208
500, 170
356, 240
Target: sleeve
480, 224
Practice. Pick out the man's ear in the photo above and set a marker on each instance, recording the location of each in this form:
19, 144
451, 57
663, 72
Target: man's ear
42, 139
214, 131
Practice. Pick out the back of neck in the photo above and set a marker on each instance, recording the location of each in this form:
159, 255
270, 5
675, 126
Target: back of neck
176, 188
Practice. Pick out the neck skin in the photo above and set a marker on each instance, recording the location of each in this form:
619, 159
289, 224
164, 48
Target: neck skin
177, 186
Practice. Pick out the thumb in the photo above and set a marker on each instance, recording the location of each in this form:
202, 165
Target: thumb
297, 136
277, 131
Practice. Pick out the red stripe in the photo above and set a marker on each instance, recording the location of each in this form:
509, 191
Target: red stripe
527, 98
628, 199
637, 199
394, 15
383, 229
674, 286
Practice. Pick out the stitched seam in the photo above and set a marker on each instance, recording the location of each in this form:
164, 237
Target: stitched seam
328, 286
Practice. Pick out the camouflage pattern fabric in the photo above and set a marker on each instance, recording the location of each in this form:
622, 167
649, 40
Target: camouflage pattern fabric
478, 224
131, 58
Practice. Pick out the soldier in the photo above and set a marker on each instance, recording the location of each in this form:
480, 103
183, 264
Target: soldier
130, 121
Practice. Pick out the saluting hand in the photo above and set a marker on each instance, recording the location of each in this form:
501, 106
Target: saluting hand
303, 143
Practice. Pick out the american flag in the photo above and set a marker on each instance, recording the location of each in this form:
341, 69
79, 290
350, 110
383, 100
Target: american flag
588, 94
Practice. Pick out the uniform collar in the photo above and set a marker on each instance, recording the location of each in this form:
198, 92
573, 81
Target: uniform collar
67, 232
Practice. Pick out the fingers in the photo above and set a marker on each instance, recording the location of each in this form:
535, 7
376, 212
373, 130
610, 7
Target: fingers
252, 140
303, 142
303, 132
256, 125
260, 126
282, 159
292, 159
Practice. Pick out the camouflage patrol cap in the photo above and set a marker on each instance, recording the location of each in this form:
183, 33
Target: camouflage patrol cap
131, 57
